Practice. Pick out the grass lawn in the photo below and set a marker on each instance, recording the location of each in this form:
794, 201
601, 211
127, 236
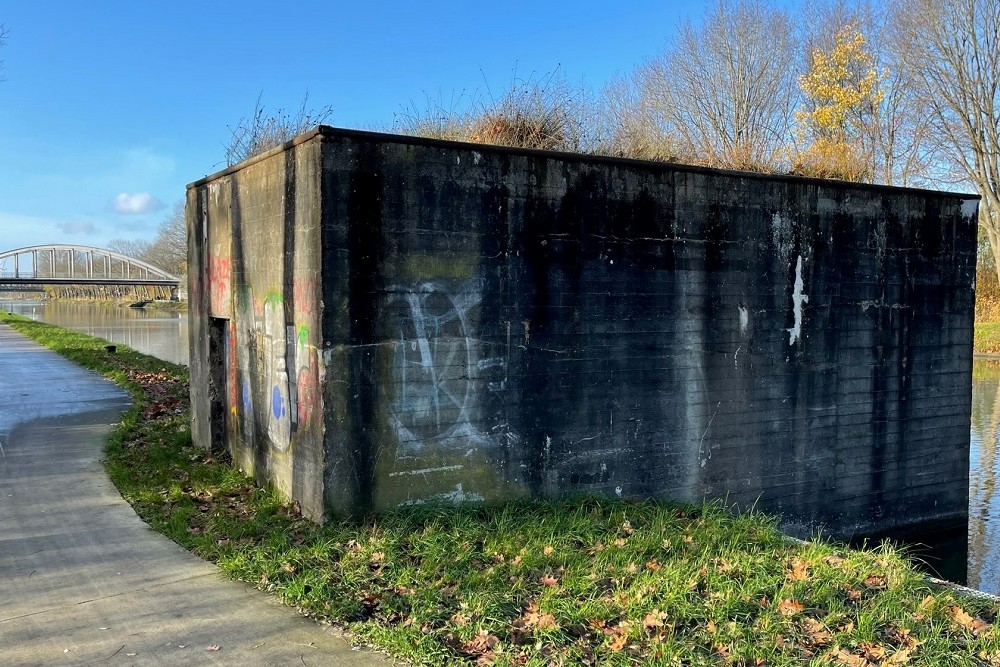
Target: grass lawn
986, 338
584, 581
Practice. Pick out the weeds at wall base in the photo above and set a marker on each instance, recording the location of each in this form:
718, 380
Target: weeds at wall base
584, 581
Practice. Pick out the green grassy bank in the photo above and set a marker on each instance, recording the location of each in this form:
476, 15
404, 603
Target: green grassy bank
584, 581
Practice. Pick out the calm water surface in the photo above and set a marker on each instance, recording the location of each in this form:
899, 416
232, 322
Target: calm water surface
984, 506
160, 333
164, 334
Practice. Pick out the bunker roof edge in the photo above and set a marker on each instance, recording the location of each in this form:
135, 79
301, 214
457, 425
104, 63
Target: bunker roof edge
328, 131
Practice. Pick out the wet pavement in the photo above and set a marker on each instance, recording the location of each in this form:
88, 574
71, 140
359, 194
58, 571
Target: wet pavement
82, 579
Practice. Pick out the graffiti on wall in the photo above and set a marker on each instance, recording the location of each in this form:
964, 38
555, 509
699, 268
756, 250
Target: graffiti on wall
279, 369
219, 281
438, 371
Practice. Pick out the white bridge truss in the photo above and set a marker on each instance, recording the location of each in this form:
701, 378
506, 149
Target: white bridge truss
65, 264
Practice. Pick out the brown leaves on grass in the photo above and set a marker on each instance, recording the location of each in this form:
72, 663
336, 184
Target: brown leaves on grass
481, 647
964, 620
816, 634
789, 607
868, 654
654, 619
534, 618
797, 570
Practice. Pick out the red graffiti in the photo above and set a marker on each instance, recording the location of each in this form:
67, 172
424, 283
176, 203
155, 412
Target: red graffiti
308, 395
305, 295
219, 277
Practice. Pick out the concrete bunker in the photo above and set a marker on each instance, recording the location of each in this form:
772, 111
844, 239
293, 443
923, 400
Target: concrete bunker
379, 320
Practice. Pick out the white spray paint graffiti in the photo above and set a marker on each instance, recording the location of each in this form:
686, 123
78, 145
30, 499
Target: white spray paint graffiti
436, 366
798, 298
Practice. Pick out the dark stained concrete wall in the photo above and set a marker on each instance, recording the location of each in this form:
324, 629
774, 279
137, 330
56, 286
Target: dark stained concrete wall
498, 323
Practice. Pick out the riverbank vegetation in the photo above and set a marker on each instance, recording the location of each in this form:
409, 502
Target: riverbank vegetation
583, 581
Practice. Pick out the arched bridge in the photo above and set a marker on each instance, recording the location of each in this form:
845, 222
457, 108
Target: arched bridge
65, 264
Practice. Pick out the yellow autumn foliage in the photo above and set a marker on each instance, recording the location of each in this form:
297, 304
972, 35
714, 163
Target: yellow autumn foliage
843, 91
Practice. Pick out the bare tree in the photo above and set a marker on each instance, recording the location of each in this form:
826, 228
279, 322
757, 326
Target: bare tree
726, 87
953, 48
628, 124
263, 129
169, 249
129, 247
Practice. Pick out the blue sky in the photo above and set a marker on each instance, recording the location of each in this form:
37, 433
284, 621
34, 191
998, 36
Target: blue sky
108, 109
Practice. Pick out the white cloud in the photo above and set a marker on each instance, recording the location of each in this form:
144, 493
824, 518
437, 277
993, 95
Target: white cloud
77, 227
135, 204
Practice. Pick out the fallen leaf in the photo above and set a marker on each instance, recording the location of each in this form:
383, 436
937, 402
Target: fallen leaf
849, 659
652, 565
900, 657
482, 644
549, 580
790, 607
903, 637
654, 619
964, 620
872, 652
548, 550
618, 642
817, 633
798, 570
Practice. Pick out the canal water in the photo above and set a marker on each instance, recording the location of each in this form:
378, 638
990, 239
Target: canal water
160, 333
164, 334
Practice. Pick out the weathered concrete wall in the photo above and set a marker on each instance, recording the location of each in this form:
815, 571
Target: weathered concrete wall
499, 323
255, 243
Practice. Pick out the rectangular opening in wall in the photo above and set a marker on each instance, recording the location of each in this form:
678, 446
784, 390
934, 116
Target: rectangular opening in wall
218, 353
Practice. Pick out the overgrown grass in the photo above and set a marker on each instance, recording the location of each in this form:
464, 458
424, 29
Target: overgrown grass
986, 338
584, 581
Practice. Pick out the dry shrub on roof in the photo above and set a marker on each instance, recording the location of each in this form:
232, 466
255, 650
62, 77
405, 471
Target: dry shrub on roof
266, 128
538, 112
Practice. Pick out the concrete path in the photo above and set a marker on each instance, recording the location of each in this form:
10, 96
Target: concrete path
82, 579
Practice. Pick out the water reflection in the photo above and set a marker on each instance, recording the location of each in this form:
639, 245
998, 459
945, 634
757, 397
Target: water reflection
160, 333
984, 509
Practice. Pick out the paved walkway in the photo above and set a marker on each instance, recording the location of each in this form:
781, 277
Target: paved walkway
82, 579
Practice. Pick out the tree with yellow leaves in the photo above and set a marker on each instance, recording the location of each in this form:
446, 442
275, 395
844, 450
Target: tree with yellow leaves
843, 92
